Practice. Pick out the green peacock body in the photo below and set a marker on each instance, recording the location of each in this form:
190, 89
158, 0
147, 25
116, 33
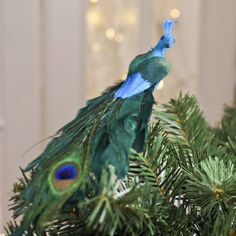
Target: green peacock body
102, 134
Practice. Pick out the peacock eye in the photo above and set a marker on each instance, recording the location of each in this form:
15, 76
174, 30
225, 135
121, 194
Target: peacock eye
162, 37
66, 172
65, 175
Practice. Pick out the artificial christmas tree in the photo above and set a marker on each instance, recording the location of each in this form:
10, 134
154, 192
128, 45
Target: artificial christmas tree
184, 183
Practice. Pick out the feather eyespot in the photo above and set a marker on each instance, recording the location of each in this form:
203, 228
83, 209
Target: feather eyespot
66, 172
65, 175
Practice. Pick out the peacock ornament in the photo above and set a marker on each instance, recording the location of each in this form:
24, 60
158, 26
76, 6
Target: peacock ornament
101, 135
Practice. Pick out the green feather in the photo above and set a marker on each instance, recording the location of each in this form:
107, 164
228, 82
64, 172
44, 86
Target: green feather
105, 117
42, 198
102, 134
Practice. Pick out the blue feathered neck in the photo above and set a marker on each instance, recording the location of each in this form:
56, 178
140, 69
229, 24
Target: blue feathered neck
159, 50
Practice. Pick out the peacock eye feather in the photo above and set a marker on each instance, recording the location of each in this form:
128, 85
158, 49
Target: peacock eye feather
66, 172
64, 175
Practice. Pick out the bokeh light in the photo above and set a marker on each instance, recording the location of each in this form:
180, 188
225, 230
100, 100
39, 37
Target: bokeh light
175, 13
110, 33
160, 85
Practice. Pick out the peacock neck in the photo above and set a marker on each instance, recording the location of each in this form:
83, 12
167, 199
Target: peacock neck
159, 50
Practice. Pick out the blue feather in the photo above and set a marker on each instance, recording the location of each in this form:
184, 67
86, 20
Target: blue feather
168, 26
66, 172
166, 41
133, 85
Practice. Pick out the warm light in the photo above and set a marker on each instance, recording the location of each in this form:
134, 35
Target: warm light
160, 85
123, 77
93, 1
93, 17
96, 47
110, 33
175, 13
119, 38
131, 18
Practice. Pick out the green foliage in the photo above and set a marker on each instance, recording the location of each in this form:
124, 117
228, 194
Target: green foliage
227, 130
184, 183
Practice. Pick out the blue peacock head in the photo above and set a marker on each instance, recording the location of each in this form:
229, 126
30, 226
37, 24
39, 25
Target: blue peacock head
167, 40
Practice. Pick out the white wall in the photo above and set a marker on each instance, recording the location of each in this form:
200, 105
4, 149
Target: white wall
20, 77
41, 78
218, 57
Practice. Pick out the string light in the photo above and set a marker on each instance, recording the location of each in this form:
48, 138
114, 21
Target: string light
93, 17
119, 38
175, 13
96, 47
110, 33
131, 18
160, 85
93, 1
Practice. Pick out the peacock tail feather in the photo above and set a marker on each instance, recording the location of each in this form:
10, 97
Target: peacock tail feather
101, 135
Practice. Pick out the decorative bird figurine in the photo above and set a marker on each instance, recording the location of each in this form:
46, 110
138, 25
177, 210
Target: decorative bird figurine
102, 134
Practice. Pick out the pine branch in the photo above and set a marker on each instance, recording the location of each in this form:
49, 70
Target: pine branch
227, 129
184, 183
183, 122
215, 182
115, 212
18, 204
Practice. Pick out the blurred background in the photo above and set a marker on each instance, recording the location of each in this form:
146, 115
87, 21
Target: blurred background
56, 54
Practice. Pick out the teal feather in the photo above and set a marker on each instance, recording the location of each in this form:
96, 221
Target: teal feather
106, 117
102, 134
